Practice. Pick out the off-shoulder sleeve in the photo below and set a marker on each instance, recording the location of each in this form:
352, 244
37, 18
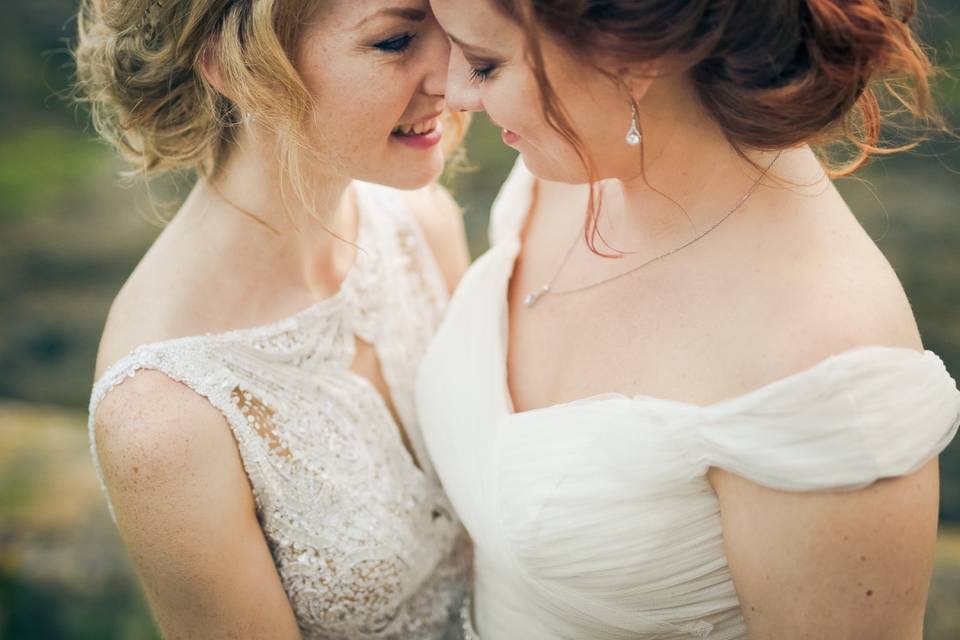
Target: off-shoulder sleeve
857, 417
512, 204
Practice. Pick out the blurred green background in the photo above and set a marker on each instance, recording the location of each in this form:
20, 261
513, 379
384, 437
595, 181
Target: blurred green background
70, 234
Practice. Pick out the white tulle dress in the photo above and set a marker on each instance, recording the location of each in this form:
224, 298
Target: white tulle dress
594, 519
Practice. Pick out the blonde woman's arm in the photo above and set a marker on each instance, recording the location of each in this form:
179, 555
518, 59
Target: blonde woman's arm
185, 511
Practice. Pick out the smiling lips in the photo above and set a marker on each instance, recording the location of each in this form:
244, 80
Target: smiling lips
417, 128
422, 134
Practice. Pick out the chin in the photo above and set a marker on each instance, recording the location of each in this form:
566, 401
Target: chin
553, 170
412, 176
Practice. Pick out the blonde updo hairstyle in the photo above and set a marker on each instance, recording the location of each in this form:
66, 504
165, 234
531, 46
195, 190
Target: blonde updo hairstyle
139, 68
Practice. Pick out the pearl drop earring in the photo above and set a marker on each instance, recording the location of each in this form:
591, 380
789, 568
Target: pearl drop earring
634, 136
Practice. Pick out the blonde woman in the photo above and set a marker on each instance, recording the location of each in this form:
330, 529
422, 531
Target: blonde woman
253, 420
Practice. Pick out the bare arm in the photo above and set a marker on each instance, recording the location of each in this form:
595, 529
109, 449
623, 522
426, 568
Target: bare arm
185, 511
853, 565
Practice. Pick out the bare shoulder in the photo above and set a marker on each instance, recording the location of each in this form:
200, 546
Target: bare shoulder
139, 314
155, 434
856, 297
129, 325
826, 288
441, 221
169, 295
187, 514
169, 460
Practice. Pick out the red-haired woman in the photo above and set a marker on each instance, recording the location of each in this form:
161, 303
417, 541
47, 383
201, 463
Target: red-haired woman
705, 410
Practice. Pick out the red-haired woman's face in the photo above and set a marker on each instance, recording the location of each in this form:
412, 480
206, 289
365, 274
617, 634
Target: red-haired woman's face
489, 72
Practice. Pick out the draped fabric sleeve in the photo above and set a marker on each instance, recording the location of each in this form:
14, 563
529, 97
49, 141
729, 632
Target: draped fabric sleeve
510, 209
849, 421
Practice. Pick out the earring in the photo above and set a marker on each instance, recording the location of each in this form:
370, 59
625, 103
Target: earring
634, 136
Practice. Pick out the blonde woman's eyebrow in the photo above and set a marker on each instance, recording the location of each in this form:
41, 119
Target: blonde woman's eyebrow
407, 13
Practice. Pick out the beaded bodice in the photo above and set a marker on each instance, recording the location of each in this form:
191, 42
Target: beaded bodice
364, 540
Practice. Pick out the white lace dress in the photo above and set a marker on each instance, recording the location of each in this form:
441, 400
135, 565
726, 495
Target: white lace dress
594, 519
365, 542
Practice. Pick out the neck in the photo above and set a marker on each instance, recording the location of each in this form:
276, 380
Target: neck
251, 200
692, 177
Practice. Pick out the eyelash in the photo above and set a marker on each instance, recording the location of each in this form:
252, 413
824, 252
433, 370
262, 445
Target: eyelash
480, 74
398, 44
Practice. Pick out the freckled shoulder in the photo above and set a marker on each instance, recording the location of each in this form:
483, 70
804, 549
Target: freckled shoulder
152, 431
176, 482
441, 221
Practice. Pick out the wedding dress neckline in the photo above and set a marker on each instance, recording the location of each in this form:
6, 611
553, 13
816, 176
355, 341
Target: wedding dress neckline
595, 518
512, 245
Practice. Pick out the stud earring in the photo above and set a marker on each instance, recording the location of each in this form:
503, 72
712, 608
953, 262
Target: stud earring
634, 136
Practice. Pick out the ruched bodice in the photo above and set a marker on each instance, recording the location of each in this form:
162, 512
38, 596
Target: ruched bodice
595, 519
365, 542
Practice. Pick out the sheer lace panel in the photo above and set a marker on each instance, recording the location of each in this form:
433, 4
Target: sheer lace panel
260, 417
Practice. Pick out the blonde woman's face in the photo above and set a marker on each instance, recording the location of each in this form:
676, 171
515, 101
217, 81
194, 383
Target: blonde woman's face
377, 71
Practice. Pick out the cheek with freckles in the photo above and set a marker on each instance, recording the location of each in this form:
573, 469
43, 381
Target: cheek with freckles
358, 103
354, 132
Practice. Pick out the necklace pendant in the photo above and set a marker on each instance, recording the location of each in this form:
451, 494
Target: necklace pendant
532, 298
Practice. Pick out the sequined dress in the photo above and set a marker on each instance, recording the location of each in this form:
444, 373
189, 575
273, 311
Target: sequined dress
364, 540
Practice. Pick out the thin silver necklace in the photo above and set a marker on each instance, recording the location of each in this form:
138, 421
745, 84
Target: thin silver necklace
547, 289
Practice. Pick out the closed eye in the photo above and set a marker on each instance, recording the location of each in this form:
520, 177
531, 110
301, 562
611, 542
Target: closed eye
397, 44
481, 74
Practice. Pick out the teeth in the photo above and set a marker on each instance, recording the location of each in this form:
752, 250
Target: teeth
418, 128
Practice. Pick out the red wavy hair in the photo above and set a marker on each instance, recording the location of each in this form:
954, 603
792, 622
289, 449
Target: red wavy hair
773, 74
